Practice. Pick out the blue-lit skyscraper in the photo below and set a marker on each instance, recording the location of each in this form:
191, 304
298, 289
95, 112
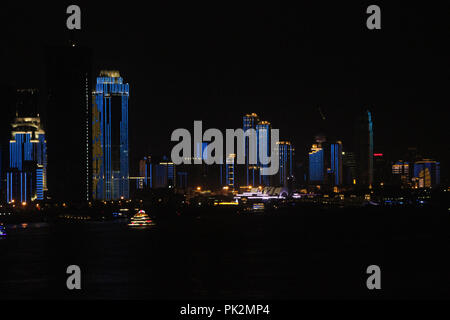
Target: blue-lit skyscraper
110, 159
263, 146
145, 173
316, 164
165, 174
286, 156
427, 173
336, 163
251, 170
26, 178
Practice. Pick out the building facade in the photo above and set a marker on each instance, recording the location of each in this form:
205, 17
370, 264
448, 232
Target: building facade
110, 158
68, 122
263, 148
165, 174
364, 144
251, 171
336, 163
26, 177
316, 165
285, 152
426, 174
145, 173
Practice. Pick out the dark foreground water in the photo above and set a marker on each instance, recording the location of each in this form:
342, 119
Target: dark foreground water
302, 255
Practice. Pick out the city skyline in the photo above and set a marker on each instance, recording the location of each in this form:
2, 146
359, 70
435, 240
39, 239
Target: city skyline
331, 167
201, 152
286, 81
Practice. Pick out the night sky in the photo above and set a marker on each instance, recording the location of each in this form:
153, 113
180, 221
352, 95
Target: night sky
216, 62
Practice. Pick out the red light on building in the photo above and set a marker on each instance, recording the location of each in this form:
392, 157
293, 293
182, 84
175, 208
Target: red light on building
377, 154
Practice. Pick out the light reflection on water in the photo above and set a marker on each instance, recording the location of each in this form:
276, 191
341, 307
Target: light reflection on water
32, 225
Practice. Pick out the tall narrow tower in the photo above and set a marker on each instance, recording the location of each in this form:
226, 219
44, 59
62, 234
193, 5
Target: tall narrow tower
251, 170
67, 122
364, 143
110, 160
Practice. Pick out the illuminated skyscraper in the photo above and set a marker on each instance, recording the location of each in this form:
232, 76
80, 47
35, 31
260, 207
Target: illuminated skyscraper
230, 170
145, 173
110, 160
336, 163
286, 155
251, 170
427, 173
263, 146
165, 174
401, 173
316, 165
67, 122
26, 178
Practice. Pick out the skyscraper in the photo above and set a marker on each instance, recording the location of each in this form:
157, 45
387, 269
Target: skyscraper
110, 159
26, 177
316, 165
67, 122
286, 156
336, 163
381, 170
263, 147
401, 173
364, 144
251, 170
146, 173
165, 174
350, 168
427, 173
230, 170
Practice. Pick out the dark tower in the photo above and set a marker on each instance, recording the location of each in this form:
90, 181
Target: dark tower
364, 154
8, 102
68, 114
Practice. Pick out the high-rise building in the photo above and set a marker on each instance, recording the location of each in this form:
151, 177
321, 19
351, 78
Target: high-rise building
350, 169
165, 174
364, 144
26, 178
316, 165
251, 171
336, 163
145, 173
110, 159
182, 179
230, 170
67, 122
401, 173
263, 147
427, 173
381, 170
285, 152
